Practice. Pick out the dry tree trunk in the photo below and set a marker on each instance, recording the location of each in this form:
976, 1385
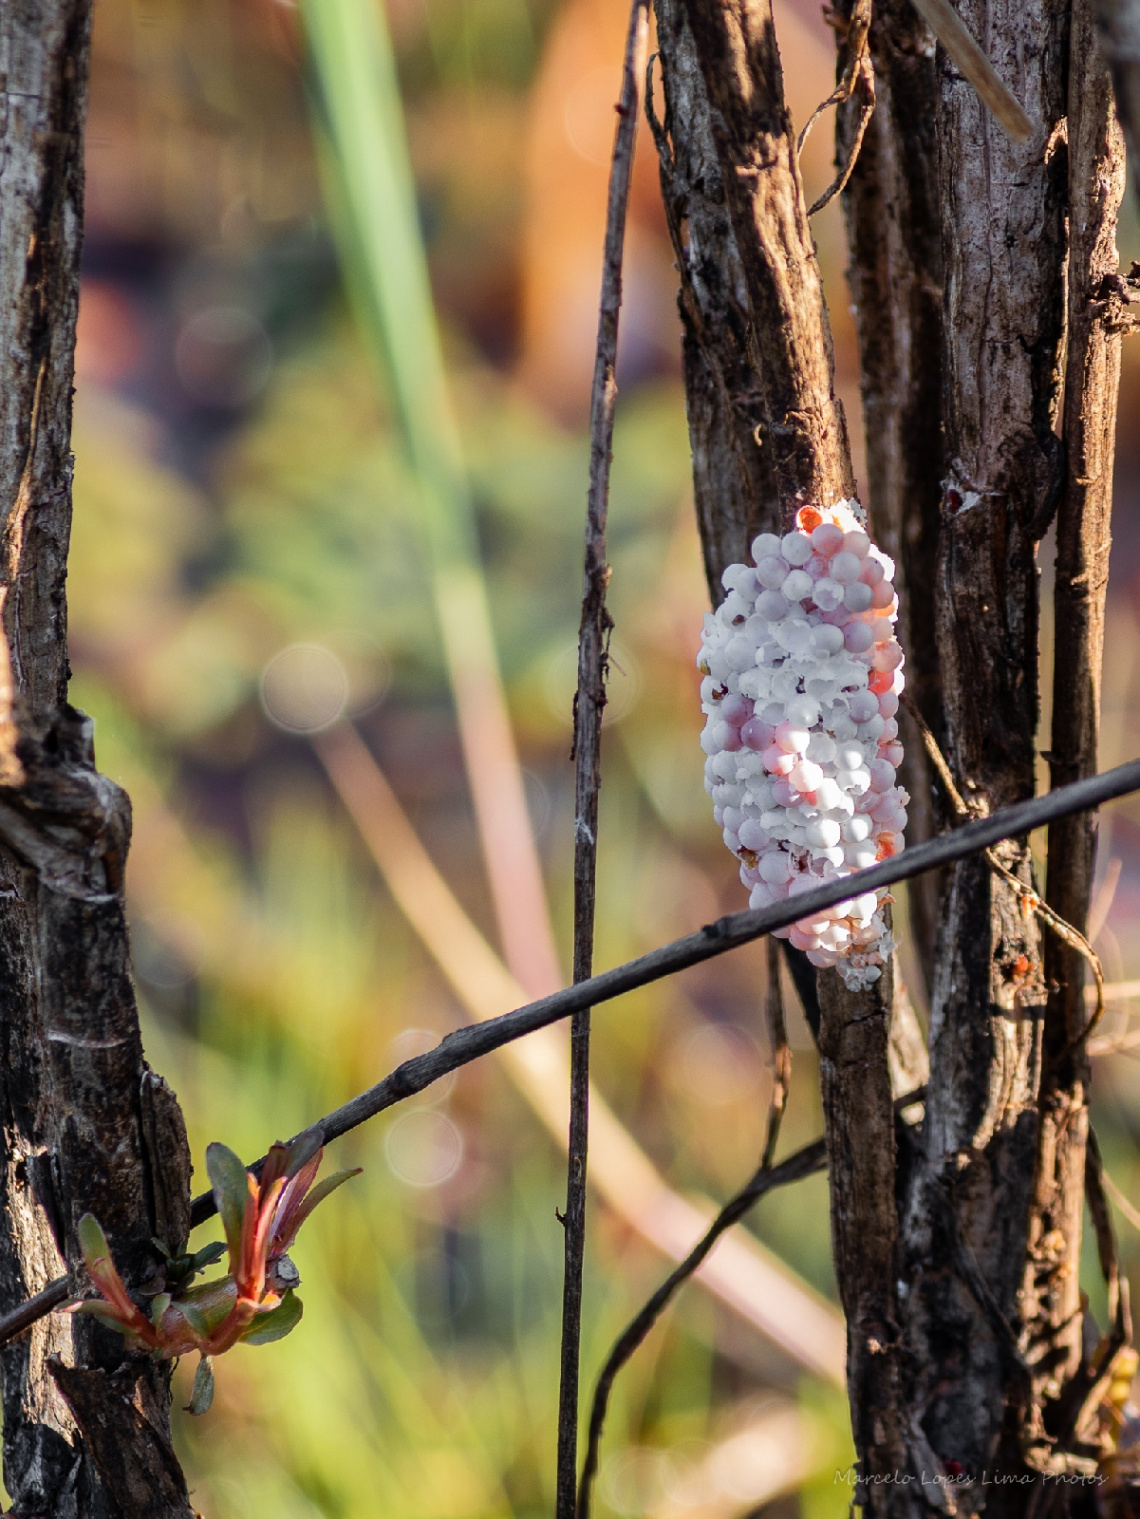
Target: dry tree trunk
961, 1297
768, 435
86, 1125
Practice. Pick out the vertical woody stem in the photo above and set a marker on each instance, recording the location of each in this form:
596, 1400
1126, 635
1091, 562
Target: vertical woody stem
589, 705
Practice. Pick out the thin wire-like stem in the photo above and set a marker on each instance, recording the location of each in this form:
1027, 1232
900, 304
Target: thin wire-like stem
766, 1178
589, 705
805, 1162
467, 1044
731, 932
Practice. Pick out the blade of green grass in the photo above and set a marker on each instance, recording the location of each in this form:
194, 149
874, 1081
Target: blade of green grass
371, 197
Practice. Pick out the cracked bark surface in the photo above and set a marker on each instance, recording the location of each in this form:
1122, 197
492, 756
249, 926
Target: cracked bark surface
768, 434
84, 1124
1003, 209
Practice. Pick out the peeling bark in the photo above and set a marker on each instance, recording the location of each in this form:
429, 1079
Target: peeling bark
85, 1125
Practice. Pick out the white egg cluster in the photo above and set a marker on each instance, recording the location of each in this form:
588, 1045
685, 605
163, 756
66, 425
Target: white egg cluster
801, 680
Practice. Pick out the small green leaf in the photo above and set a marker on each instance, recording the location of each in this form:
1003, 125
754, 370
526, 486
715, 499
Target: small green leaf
158, 1307
208, 1255
277, 1323
164, 1250
231, 1192
202, 1394
195, 1318
93, 1242
104, 1313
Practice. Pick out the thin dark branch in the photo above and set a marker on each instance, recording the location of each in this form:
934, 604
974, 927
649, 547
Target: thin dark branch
805, 1162
765, 1179
589, 705
468, 1044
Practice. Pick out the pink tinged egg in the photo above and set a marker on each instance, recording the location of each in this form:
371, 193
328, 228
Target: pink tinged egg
757, 734
771, 570
803, 711
868, 801
827, 595
777, 761
857, 828
796, 547
816, 567
883, 680
827, 539
764, 545
740, 653
784, 794
888, 706
882, 629
806, 776
857, 637
892, 753
872, 572
858, 597
796, 585
845, 567
823, 959
839, 618
775, 867
856, 542
800, 940
823, 833
771, 606
890, 726
752, 835
882, 597
735, 710
826, 639
882, 775
815, 926
790, 738
828, 795
863, 705
888, 656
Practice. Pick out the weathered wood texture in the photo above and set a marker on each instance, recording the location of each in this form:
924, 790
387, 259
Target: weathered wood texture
768, 434
895, 275
1003, 262
85, 1125
1051, 1298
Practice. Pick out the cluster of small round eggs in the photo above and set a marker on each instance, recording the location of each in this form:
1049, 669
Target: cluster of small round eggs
801, 679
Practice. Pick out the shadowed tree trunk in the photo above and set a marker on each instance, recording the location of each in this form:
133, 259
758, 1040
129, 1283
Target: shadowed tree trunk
86, 1126
973, 260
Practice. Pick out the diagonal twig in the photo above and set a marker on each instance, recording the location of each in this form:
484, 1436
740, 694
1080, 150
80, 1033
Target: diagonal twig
731, 932
859, 71
765, 1179
944, 21
589, 705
